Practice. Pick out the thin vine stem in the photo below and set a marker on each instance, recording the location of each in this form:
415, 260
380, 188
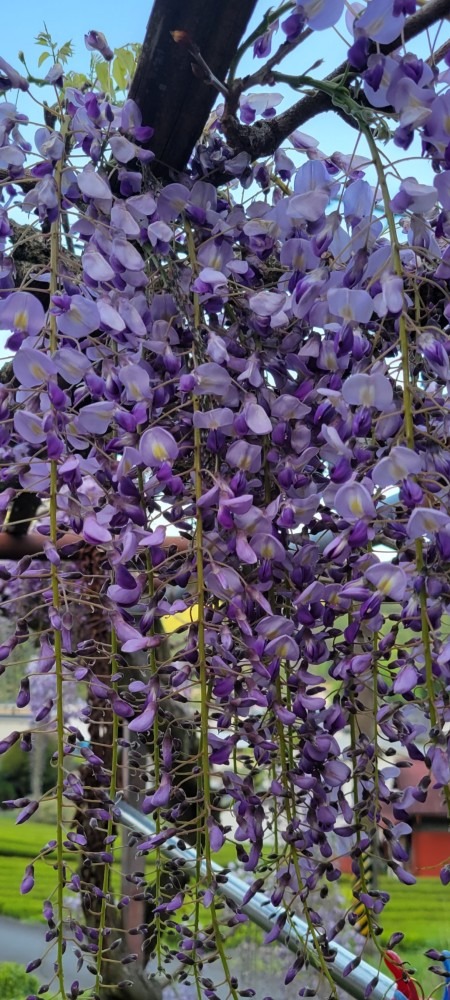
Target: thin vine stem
408, 421
56, 598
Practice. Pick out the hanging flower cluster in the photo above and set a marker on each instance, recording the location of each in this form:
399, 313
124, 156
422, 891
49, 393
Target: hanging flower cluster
268, 382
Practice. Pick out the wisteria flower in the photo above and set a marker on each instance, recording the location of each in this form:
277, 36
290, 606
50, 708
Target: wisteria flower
353, 501
390, 581
352, 304
32, 367
414, 196
322, 14
270, 304
209, 379
313, 188
96, 41
10, 79
263, 44
244, 456
94, 186
157, 446
368, 390
251, 105
29, 426
399, 464
22, 312
379, 23
76, 316
426, 521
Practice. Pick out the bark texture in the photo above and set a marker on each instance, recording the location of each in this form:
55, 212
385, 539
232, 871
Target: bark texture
172, 98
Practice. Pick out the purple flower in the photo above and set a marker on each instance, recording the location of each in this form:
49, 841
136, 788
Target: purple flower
29, 426
95, 418
390, 581
23, 313
268, 547
313, 187
32, 367
94, 186
351, 304
270, 304
211, 283
131, 121
50, 144
425, 521
143, 722
10, 79
160, 236
157, 446
378, 22
28, 880
256, 418
8, 742
415, 197
368, 390
55, 75
96, 41
284, 646
293, 26
251, 105
216, 836
76, 316
209, 379
399, 464
220, 417
263, 45
246, 457
391, 297
322, 14
223, 581
94, 532
27, 812
353, 501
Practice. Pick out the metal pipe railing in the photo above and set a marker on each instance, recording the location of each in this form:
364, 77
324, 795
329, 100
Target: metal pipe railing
262, 912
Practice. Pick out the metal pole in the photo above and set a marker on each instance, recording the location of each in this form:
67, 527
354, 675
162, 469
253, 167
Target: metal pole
262, 912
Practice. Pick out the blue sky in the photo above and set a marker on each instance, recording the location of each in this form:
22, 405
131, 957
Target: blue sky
20, 23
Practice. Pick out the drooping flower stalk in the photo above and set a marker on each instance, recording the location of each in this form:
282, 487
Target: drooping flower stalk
408, 424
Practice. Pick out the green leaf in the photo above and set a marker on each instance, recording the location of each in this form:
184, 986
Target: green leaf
126, 60
43, 56
119, 74
43, 38
102, 71
65, 52
77, 80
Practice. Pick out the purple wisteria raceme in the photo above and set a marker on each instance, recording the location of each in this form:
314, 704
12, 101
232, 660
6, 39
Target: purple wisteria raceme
232, 412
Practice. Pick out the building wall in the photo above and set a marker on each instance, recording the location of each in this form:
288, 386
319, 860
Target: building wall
430, 850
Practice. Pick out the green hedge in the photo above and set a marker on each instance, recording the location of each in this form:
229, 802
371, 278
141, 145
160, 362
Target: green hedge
15, 772
15, 983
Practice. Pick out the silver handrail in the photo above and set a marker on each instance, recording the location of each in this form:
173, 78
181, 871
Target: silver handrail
262, 912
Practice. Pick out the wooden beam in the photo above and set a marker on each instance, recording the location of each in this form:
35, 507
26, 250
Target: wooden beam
174, 101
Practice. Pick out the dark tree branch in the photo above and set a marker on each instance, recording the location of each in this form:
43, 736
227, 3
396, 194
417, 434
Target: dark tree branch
264, 137
172, 100
262, 75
